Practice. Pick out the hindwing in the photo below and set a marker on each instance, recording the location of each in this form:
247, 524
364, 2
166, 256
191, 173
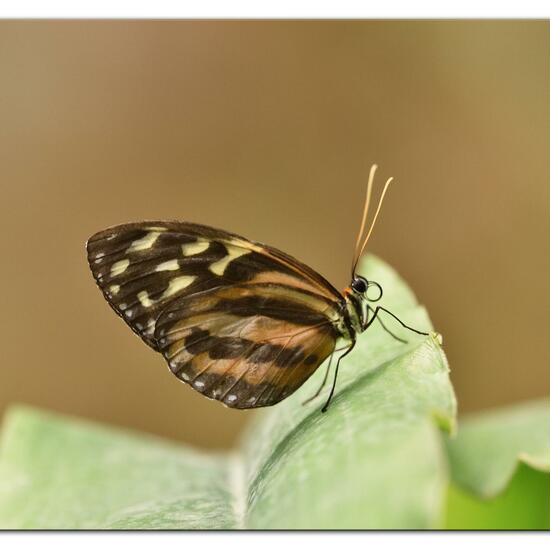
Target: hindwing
247, 345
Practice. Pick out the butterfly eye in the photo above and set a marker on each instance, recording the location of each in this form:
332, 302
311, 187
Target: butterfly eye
359, 285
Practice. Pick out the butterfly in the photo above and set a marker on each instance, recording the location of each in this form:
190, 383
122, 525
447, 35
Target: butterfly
239, 321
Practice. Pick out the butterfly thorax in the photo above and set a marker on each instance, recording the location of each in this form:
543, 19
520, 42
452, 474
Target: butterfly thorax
356, 309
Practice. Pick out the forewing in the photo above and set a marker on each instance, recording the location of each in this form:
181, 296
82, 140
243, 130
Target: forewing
143, 268
249, 345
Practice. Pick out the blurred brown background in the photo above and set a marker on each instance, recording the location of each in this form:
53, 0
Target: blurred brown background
268, 129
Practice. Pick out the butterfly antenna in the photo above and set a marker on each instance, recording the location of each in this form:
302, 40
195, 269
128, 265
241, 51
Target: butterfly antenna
364, 219
357, 256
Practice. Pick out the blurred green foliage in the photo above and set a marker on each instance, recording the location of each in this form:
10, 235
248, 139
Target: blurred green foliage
500, 464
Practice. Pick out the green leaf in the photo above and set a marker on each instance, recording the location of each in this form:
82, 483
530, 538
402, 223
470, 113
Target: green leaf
63, 473
500, 465
374, 460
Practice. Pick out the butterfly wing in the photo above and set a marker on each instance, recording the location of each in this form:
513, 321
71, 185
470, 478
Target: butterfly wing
240, 322
247, 345
144, 267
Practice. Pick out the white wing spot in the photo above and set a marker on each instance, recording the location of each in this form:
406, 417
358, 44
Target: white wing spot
119, 267
174, 286
231, 398
190, 249
170, 265
177, 284
144, 299
199, 384
145, 242
233, 252
111, 237
252, 399
122, 306
128, 313
150, 327
114, 289
183, 374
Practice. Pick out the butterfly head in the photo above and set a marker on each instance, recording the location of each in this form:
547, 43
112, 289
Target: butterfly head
357, 297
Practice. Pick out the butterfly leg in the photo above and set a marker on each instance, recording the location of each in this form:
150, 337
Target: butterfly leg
371, 310
378, 309
325, 378
324, 409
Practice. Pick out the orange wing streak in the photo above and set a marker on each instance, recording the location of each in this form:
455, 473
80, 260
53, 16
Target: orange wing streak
271, 380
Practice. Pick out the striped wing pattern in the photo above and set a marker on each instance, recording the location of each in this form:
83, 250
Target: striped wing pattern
248, 346
239, 321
